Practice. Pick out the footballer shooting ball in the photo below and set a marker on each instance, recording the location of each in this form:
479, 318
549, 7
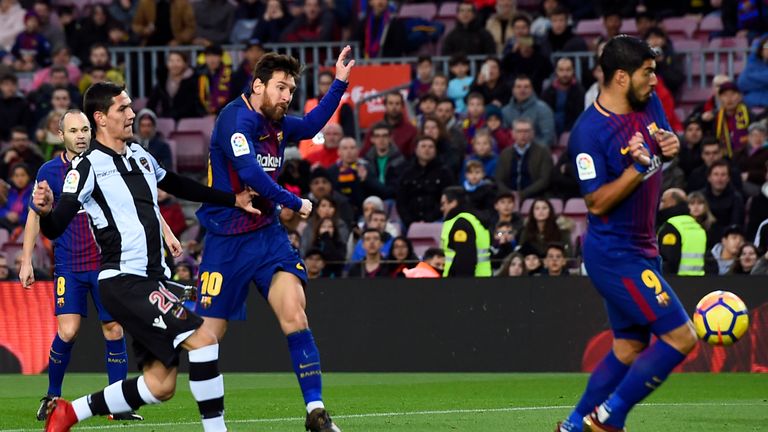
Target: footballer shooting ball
721, 318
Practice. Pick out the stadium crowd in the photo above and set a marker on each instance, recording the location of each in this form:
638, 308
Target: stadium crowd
492, 145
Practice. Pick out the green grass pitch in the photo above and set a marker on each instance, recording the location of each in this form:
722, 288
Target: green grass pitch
419, 402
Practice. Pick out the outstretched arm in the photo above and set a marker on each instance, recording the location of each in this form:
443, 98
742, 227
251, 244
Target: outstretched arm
191, 190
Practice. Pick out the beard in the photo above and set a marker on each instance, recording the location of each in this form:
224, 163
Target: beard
272, 111
636, 100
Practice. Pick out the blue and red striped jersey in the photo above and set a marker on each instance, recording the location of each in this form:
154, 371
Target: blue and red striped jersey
75, 250
599, 149
247, 150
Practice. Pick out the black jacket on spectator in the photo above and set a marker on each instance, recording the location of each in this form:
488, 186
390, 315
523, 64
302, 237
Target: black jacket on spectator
41, 99
470, 39
758, 212
697, 179
690, 158
418, 196
481, 201
185, 104
270, 31
392, 171
566, 42
728, 208
161, 151
574, 102
530, 177
501, 93
538, 67
395, 42
334, 252
564, 184
14, 111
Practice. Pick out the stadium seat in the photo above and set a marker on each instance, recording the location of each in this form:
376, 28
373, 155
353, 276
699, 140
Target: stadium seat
426, 11
166, 126
590, 27
695, 94
191, 150
526, 207
687, 45
686, 26
424, 235
138, 104
629, 26
172, 144
448, 10
204, 125
576, 210
709, 25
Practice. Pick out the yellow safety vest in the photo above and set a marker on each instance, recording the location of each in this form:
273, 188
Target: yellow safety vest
482, 244
693, 245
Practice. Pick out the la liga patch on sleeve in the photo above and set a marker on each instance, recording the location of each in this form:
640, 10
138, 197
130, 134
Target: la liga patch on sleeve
239, 144
71, 181
585, 166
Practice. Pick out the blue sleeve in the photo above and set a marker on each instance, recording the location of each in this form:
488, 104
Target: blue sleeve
240, 151
591, 166
660, 114
42, 174
297, 129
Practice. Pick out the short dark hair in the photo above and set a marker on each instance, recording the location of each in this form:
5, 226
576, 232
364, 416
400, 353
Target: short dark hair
719, 163
99, 97
656, 31
59, 68
625, 53
428, 96
381, 125
9, 77
424, 58
273, 62
460, 58
556, 245
371, 230
19, 129
523, 77
325, 73
379, 212
559, 10
97, 45
421, 138
522, 17
476, 95
455, 193
433, 252
708, 140
447, 100
394, 93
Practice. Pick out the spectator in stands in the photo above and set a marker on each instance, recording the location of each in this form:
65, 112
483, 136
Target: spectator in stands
710, 153
214, 79
525, 104
698, 208
379, 33
385, 163
242, 76
11, 22
560, 37
58, 78
88, 30
512, 266
748, 18
533, 263
326, 237
672, 175
315, 264
612, 23
499, 25
682, 240
31, 49
182, 273
145, 127
371, 204
271, 25
761, 266
327, 152
5, 271
401, 257
458, 86
421, 184
439, 86
14, 107
315, 23
371, 266
525, 167
422, 80
166, 22
482, 152
691, 144
506, 211
50, 26
20, 150
47, 135
464, 238
725, 202
564, 96
503, 242
758, 212
432, 266
526, 57
122, 12
494, 123
214, 20
425, 106
645, 21
61, 57
119, 36
326, 209
176, 93
402, 132
564, 184
554, 261
474, 120
541, 25
732, 119
468, 37
346, 173
481, 191
99, 57
445, 111
751, 159
669, 65
320, 186
707, 109
450, 152
541, 228
745, 261
727, 251
490, 84
13, 214
343, 114
753, 80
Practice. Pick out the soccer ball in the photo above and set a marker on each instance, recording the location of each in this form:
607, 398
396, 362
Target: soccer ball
721, 318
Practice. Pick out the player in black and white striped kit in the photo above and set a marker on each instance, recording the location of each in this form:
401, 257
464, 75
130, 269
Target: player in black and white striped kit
116, 183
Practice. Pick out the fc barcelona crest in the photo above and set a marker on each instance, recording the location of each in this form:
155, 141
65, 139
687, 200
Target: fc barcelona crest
145, 163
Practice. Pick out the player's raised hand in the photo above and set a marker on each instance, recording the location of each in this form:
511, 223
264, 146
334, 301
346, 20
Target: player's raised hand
306, 208
26, 274
343, 70
42, 197
669, 143
638, 150
244, 199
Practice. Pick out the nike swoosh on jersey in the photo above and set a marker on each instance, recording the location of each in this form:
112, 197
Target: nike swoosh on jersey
304, 366
624, 150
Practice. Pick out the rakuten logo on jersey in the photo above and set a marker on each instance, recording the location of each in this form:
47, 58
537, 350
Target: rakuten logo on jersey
269, 162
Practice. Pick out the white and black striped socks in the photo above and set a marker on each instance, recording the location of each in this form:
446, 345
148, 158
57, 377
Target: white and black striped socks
207, 386
120, 397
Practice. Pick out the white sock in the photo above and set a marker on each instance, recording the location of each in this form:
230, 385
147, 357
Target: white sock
82, 409
314, 405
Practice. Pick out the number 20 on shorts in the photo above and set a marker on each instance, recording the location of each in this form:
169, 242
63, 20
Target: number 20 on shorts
211, 283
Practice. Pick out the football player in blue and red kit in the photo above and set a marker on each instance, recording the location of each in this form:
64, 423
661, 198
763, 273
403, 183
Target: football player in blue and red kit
618, 146
247, 152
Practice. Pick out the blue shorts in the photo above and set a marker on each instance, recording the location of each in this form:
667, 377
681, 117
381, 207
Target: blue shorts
71, 290
231, 263
638, 299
